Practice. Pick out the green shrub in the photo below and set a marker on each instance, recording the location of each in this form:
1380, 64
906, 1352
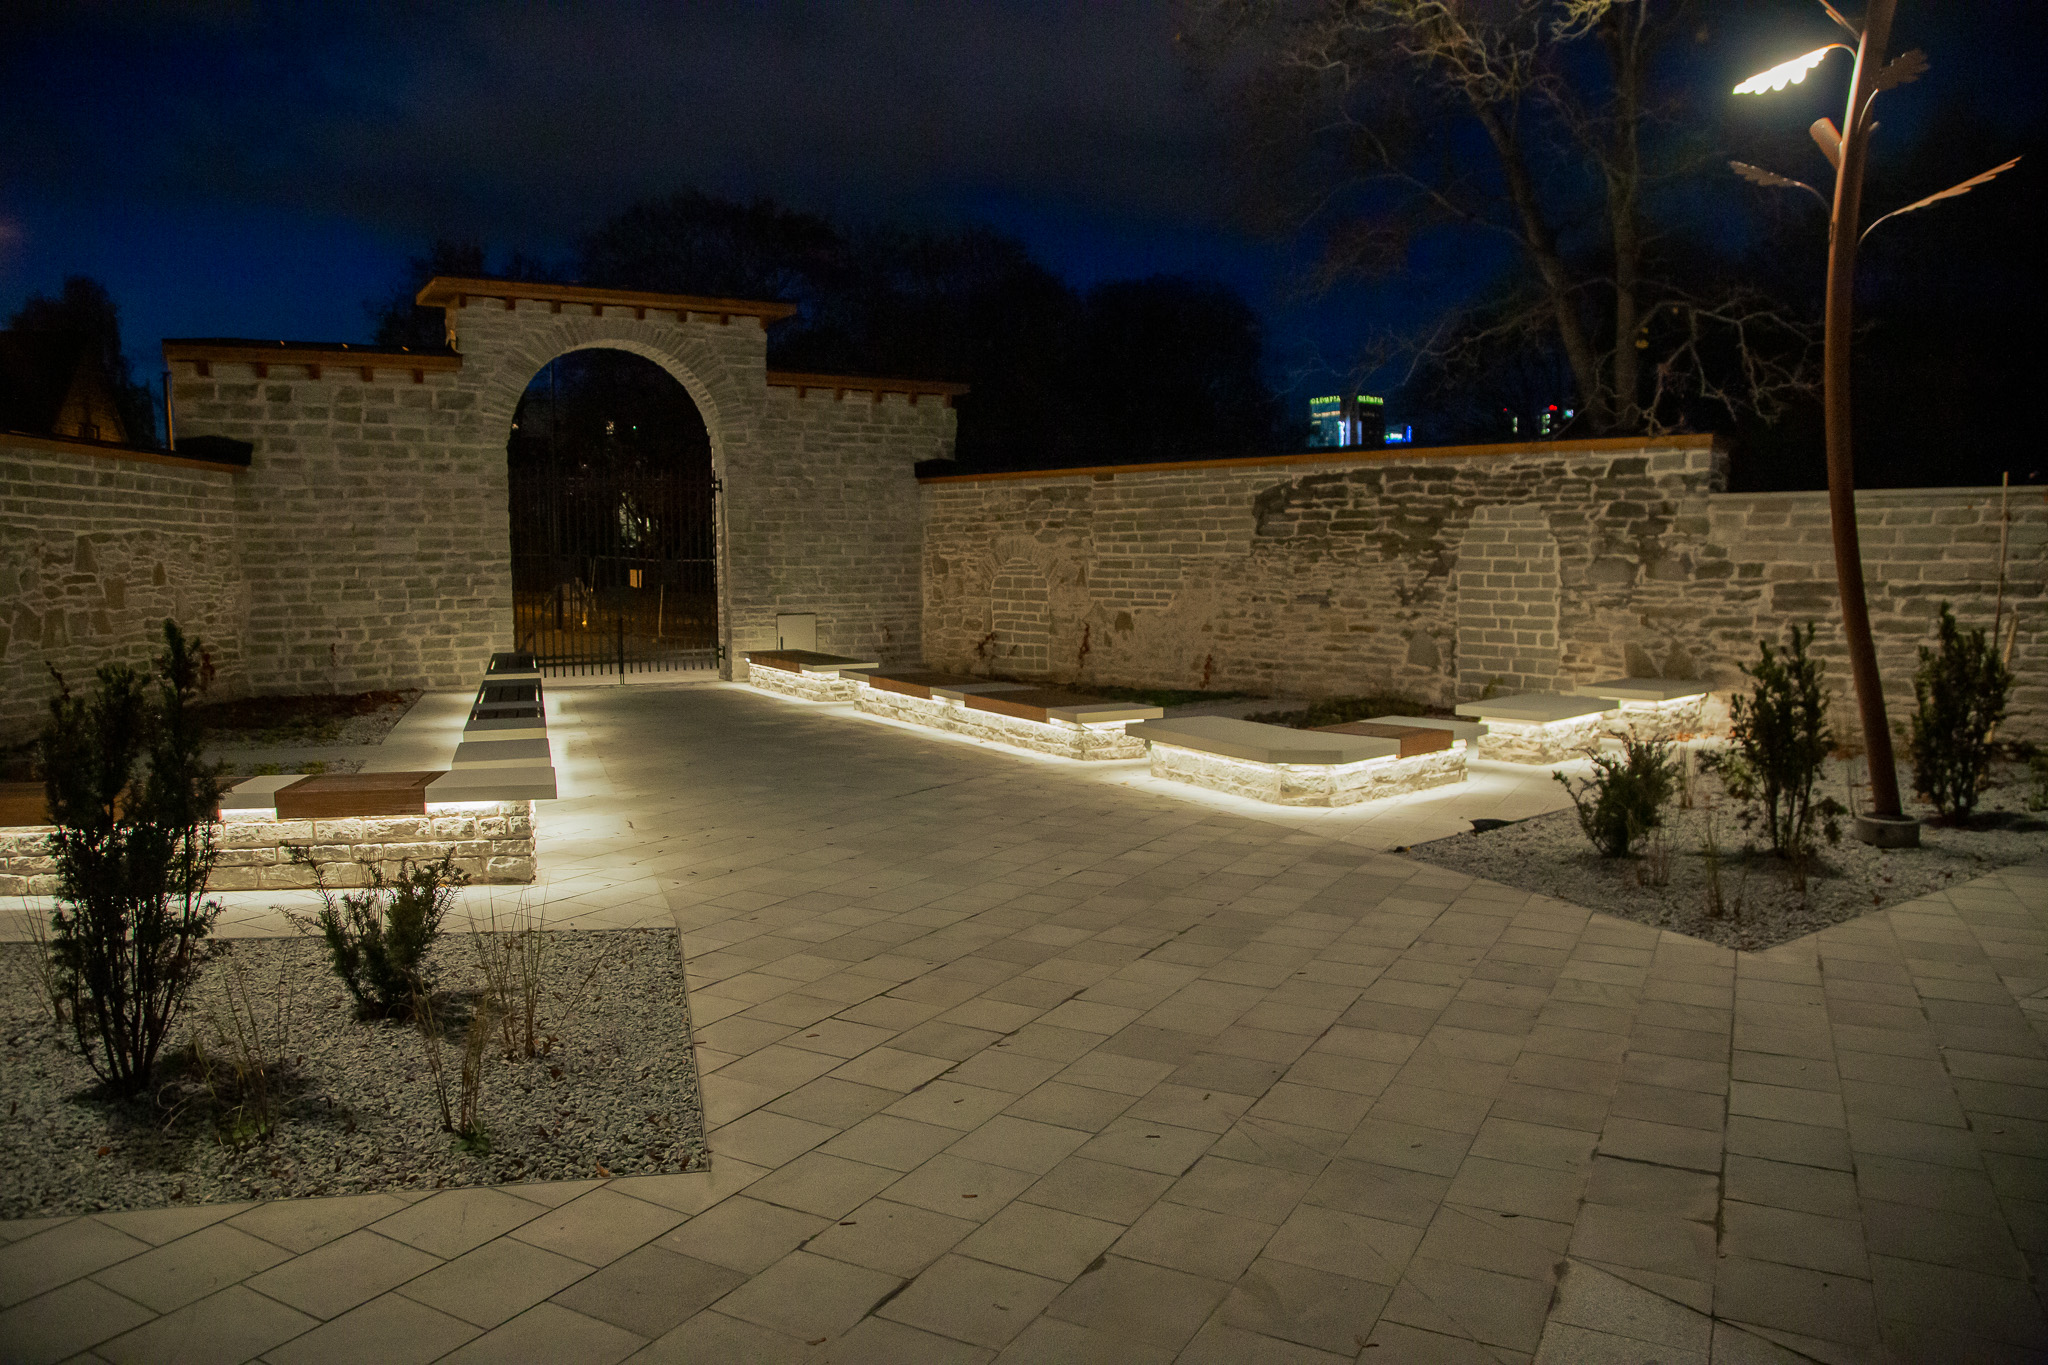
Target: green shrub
1624, 799
133, 849
1781, 740
1962, 690
378, 937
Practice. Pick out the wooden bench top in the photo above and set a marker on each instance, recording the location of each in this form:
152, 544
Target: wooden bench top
1258, 742
336, 796
1050, 704
919, 682
1413, 739
23, 803
806, 661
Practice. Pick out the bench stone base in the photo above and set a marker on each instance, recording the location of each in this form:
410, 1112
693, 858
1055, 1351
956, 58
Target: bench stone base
1558, 741
803, 686
1062, 741
492, 843
1679, 719
1309, 784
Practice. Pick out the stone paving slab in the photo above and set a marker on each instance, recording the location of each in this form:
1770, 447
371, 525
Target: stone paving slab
1009, 1063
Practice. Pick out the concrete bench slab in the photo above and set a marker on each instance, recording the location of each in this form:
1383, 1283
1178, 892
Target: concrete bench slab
806, 661
1336, 766
503, 753
1413, 739
256, 794
1258, 742
1645, 690
473, 785
1534, 708
346, 794
1467, 730
525, 723
922, 684
976, 687
1049, 705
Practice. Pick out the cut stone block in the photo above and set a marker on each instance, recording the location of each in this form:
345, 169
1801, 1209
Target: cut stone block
1047, 705
1257, 742
977, 687
255, 794
532, 725
492, 784
804, 686
1413, 739
1645, 690
503, 753
1467, 730
1533, 708
346, 794
806, 661
1062, 739
1283, 767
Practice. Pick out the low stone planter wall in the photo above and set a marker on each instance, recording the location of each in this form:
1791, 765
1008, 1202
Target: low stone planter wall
1060, 740
803, 686
1659, 719
1553, 742
1309, 784
492, 842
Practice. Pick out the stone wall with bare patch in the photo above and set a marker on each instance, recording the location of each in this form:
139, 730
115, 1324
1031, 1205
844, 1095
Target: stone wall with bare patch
1444, 574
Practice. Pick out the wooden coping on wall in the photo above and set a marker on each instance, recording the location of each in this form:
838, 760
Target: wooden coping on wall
69, 445
1391, 454
843, 384
315, 356
459, 291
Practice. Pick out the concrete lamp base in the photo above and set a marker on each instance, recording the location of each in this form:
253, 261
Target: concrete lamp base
1887, 831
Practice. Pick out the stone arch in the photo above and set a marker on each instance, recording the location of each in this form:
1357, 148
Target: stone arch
1508, 588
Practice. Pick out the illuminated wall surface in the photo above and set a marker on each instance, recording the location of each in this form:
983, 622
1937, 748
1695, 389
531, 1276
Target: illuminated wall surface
1544, 565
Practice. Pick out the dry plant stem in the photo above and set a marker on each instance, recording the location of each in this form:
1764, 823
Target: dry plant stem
474, 1043
252, 1051
1711, 852
41, 971
429, 1027
512, 961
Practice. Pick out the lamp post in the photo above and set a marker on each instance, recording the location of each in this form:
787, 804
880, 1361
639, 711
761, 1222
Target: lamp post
1848, 151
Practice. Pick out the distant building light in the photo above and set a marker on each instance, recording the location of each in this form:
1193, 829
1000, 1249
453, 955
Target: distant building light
1405, 435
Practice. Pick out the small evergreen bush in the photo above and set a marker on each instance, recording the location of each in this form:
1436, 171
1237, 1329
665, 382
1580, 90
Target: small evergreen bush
1624, 799
1781, 740
133, 801
1962, 690
378, 937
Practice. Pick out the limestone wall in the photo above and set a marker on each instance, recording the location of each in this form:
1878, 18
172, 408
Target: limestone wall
95, 552
370, 524
1444, 574
825, 516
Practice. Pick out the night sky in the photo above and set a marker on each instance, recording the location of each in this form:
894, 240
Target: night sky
264, 169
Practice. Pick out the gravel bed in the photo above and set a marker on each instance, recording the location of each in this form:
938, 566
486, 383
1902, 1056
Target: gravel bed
1550, 854
615, 1094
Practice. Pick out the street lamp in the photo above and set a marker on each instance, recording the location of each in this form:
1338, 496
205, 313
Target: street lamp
1848, 151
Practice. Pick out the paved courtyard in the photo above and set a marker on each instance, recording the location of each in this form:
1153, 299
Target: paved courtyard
1021, 1060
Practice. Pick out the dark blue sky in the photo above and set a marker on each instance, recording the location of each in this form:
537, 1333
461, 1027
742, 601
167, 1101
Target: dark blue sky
237, 168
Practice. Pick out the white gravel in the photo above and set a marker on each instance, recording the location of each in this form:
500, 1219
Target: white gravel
616, 1093
1550, 854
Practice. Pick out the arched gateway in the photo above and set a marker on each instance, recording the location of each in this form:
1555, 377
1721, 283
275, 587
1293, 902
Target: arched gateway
375, 542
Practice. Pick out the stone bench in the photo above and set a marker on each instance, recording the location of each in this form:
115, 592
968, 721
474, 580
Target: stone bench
806, 674
350, 823
1022, 715
1652, 708
506, 735
1338, 765
1537, 727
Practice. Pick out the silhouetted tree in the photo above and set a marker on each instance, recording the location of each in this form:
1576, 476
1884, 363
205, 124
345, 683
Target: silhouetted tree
1173, 371
47, 338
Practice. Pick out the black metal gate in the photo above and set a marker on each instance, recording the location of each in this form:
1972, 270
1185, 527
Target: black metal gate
614, 561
